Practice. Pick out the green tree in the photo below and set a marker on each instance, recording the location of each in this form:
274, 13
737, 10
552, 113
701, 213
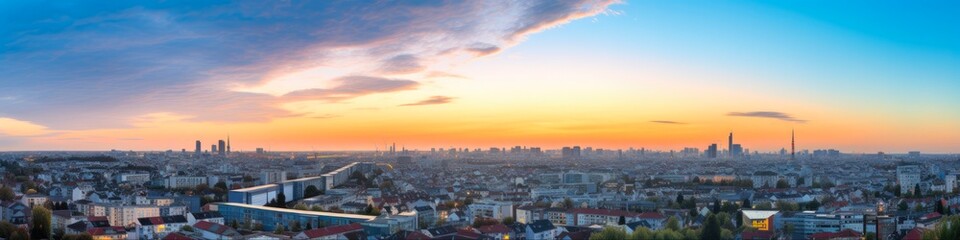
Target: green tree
622, 221
508, 221
902, 206
690, 233
316, 208
947, 228
221, 185
567, 203
711, 229
668, 234
295, 226
641, 233
788, 228
917, 193
40, 226
673, 224
746, 203
311, 191
186, 228
716, 205
281, 200
939, 207
609, 233
6, 194
680, 198
813, 205
300, 206
782, 184
280, 229
20, 234
6, 229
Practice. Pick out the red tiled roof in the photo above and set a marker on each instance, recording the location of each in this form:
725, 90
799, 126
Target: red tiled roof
915, 234
106, 231
176, 236
757, 235
216, 228
496, 228
931, 215
846, 233
467, 233
332, 230
417, 236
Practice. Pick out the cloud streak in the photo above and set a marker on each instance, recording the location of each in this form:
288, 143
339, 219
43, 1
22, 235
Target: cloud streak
668, 122
767, 114
430, 101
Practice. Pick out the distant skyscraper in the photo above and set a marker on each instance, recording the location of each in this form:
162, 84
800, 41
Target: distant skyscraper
712, 151
793, 145
736, 151
198, 150
228, 143
213, 149
730, 144
222, 147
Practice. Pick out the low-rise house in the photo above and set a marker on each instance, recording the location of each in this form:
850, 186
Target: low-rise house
158, 227
497, 231
34, 199
87, 224
541, 229
15, 212
59, 219
112, 233
209, 230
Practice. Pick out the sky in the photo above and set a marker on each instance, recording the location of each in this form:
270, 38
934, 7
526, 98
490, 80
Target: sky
858, 76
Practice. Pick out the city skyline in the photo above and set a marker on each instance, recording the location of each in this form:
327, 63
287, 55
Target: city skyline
862, 77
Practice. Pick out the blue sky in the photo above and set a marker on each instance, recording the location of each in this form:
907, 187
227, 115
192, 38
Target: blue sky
77, 68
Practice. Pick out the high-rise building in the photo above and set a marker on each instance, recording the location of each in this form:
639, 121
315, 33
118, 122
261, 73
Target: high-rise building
730, 144
711, 151
228, 143
908, 176
793, 145
213, 149
222, 146
198, 150
259, 150
736, 151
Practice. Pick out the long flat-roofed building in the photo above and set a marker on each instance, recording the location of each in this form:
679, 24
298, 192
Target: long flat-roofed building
269, 217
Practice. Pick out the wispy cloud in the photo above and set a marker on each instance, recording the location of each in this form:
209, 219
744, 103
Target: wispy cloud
767, 114
431, 101
105, 64
440, 74
667, 122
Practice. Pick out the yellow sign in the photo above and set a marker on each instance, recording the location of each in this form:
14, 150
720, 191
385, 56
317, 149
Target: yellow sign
761, 224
